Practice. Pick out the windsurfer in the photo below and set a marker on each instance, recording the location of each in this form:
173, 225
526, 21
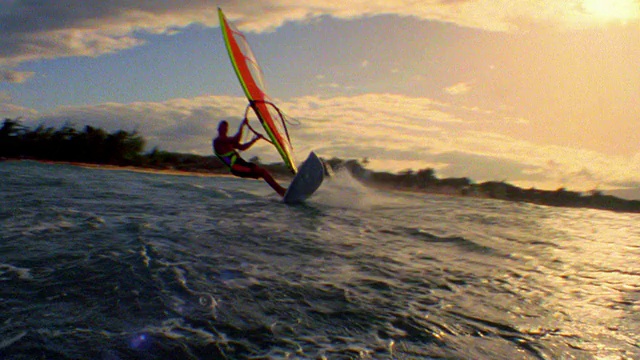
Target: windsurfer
226, 149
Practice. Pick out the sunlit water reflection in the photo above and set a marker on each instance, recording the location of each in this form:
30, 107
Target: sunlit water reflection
121, 265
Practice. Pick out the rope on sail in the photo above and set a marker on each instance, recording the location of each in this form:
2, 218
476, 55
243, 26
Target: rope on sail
283, 118
246, 119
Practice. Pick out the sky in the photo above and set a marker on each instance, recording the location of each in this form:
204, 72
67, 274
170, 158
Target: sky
537, 93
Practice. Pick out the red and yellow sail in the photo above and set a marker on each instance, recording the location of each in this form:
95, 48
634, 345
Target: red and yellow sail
250, 76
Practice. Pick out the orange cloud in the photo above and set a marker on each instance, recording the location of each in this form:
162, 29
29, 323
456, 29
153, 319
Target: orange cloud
81, 28
458, 89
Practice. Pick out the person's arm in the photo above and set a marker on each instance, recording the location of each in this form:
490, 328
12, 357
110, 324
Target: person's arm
236, 138
245, 146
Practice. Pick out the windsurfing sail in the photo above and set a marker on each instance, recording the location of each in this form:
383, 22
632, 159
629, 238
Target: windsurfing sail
250, 76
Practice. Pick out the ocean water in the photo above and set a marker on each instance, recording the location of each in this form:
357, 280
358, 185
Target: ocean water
98, 264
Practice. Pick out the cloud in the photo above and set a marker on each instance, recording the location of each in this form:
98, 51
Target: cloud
5, 97
182, 125
12, 111
18, 77
458, 89
611, 9
42, 29
394, 132
486, 167
332, 85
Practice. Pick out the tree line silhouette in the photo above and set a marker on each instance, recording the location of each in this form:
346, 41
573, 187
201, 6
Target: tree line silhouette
91, 144
94, 145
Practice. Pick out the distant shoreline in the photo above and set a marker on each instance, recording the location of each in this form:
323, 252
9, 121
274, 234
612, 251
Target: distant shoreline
444, 187
140, 169
121, 150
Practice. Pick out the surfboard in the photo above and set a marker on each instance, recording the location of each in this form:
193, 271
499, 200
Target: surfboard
308, 179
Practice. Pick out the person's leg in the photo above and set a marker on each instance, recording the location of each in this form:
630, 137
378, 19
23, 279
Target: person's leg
250, 170
271, 181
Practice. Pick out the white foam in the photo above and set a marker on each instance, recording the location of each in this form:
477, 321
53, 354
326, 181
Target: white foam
343, 190
23, 273
8, 342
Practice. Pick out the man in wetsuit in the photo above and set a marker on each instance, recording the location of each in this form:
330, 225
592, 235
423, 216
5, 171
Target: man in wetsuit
226, 149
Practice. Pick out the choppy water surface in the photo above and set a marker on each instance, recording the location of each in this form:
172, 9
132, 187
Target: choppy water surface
112, 265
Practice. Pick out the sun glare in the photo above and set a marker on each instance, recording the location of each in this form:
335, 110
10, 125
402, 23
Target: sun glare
612, 9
